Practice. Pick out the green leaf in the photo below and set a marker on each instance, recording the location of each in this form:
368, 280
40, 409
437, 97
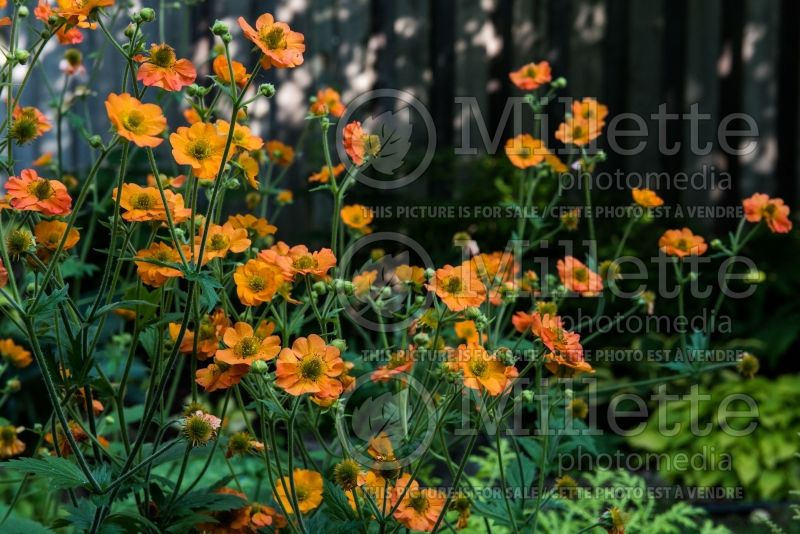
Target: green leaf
338, 505
49, 302
210, 502
61, 473
128, 304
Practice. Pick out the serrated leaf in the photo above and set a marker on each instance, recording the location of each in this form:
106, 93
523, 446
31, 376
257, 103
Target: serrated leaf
61, 473
336, 500
49, 302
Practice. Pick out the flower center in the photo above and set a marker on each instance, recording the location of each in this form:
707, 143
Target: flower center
41, 189
163, 56
162, 255
300, 493
452, 284
8, 434
219, 242
23, 129
143, 201
418, 502
372, 144
200, 149
311, 367
247, 346
682, 244
133, 121
304, 262
580, 274
256, 283
478, 367
274, 38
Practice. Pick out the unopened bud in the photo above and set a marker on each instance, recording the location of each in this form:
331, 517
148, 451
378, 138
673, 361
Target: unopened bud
219, 28
147, 14
21, 56
267, 90
22, 12
340, 344
559, 83
96, 141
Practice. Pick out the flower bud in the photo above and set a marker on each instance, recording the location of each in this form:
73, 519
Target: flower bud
748, 365
429, 273
147, 14
346, 474
716, 244
21, 56
340, 344
259, 367
559, 83
754, 277
22, 12
320, 287
267, 90
14, 384
472, 313
349, 288
226, 38
421, 339
220, 28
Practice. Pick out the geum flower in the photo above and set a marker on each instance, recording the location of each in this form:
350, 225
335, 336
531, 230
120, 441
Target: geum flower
259, 280
141, 124
646, 198
201, 146
310, 366
142, 204
482, 371
243, 346
327, 101
682, 243
531, 76
419, 508
358, 144
162, 69
772, 210
458, 287
307, 490
565, 358
524, 151
282, 47
242, 139
223, 71
220, 376
28, 124
30, 192
307, 263
221, 240
577, 277
357, 217
152, 270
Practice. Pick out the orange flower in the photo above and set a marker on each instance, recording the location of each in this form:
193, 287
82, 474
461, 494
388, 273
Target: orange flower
10, 444
411, 275
50, 233
69, 36
324, 174
209, 332
531, 76
420, 508
458, 287
375, 486
220, 376
243, 346
467, 331
223, 72
566, 356
249, 167
316, 263
15, 354
143, 204
401, 361
232, 521
279, 153
284, 197
221, 240
77, 12
192, 116
524, 151
359, 144
28, 124
242, 138
497, 272
282, 47
522, 321
774, 212
646, 198
555, 163
363, 282
682, 243
155, 274
584, 124
357, 217
258, 281
579, 278
162, 69
482, 371
3, 275
327, 101
30, 192
200, 146
310, 366
258, 227
44, 160
139, 123
591, 111
166, 181
307, 490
